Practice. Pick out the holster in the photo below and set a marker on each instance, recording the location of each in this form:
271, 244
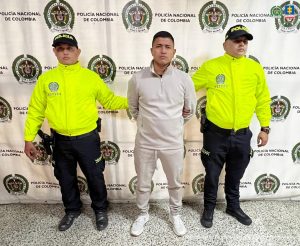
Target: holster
47, 141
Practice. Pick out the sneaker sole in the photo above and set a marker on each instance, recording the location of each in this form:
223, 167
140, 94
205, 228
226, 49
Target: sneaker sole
178, 234
135, 235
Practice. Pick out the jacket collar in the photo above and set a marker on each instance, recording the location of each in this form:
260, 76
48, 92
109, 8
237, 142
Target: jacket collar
231, 58
69, 67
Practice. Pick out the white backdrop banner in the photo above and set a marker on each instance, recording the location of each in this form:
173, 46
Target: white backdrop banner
115, 37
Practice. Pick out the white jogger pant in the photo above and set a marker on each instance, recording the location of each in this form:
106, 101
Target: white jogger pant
145, 161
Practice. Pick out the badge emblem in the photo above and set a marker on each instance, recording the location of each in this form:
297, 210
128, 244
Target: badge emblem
296, 153
110, 152
180, 63
59, 16
5, 111
287, 16
104, 66
266, 184
16, 184
26, 69
201, 104
220, 79
53, 86
213, 17
82, 185
137, 16
133, 183
198, 184
280, 107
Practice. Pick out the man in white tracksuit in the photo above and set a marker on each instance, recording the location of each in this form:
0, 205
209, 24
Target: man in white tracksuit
160, 98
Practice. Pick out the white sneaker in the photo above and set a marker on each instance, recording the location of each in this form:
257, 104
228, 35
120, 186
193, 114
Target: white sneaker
138, 225
178, 226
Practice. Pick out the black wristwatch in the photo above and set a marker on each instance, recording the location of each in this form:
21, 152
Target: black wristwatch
265, 129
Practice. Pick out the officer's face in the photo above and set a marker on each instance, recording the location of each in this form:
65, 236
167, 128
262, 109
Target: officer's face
163, 51
236, 47
66, 54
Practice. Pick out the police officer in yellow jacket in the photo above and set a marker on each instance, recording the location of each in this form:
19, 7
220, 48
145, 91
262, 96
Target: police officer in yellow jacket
235, 88
66, 96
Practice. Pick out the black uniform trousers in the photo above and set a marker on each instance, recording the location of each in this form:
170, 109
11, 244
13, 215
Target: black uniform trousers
84, 149
222, 146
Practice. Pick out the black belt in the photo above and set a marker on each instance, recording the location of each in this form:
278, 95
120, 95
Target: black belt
223, 131
69, 138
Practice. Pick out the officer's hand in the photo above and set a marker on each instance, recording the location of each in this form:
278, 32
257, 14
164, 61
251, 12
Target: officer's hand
262, 139
186, 112
30, 150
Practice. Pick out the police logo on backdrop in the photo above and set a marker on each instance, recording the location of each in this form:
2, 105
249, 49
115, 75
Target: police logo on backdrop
82, 185
110, 152
26, 69
266, 184
287, 16
137, 16
280, 107
201, 104
296, 153
5, 111
198, 184
42, 157
133, 183
16, 184
213, 16
104, 66
59, 16
180, 63
276, 11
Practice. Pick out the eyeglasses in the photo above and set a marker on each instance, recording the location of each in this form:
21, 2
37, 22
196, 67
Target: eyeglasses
237, 41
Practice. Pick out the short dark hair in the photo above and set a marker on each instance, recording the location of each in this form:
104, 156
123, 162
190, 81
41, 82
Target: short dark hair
163, 34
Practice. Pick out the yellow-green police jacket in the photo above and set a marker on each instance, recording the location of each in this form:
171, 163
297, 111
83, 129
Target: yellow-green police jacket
66, 96
235, 89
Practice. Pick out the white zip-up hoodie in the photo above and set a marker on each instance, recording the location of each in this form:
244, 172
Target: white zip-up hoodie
156, 103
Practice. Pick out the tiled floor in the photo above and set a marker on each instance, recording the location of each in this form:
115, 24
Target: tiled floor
274, 223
